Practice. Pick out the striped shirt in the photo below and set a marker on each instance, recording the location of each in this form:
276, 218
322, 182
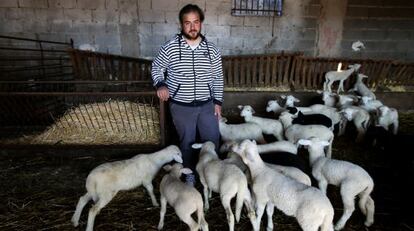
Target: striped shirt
192, 76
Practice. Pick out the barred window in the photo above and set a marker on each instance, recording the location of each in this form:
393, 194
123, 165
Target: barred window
257, 7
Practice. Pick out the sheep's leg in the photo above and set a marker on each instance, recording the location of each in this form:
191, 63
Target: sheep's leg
163, 202
205, 192
323, 185
341, 86
104, 199
259, 212
361, 133
329, 85
150, 189
269, 210
367, 206
349, 206
225, 201
83, 200
395, 127
185, 216
248, 203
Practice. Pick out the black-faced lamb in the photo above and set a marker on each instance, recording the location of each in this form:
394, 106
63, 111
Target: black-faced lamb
106, 180
184, 198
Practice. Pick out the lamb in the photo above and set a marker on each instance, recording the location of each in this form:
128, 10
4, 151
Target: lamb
270, 188
268, 126
184, 198
295, 132
106, 180
290, 167
341, 76
291, 100
277, 146
387, 117
239, 132
346, 101
361, 119
224, 178
361, 88
370, 104
351, 178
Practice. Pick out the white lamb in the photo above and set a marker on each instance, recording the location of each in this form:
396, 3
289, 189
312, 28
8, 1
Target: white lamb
387, 117
268, 126
226, 179
106, 180
184, 198
274, 106
277, 146
239, 132
361, 88
295, 132
271, 188
290, 102
369, 104
351, 178
360, 118
341, 76
328, 98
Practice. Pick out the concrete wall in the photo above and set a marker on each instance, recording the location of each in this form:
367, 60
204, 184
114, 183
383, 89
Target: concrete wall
138, 27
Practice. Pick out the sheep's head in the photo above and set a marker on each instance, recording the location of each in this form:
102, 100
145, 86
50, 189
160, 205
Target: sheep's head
227, 146
348, 113
247, 150
246, 111
315, 144
355, 66
272, 105
177, 169
286, 118
176, 153
206, 147
291, 100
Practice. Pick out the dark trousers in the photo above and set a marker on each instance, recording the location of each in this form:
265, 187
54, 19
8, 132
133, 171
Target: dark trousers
189, 120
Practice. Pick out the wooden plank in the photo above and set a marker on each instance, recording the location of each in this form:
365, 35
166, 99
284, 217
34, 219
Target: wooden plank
267, 71
236, 72
248, 70
254, 69
273, 76
230, 73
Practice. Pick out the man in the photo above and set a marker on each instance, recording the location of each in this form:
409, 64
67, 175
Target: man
193, 84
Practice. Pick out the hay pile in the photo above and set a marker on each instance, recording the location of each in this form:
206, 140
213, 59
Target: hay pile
111, 122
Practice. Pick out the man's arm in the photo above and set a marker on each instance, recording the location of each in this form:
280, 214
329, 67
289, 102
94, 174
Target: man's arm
159, 65
218, 83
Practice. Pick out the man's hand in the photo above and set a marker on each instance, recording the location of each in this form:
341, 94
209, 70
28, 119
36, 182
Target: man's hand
217, 111
163, 93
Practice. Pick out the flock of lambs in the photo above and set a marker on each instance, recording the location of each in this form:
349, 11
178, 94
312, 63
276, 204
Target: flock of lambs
262, 175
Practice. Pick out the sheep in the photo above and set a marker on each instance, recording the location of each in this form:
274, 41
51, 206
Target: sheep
294, 132
268, 126
224, 178
361, 88
270, 188
341, 76
346, 101
288, 166
361, 119
239, 132
277, 146
351, 178
106, 180
370, 104
184, 198
388, 116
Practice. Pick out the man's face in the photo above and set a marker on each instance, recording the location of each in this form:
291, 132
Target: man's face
191, 26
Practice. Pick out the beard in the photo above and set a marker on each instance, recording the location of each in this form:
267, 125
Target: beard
192, 35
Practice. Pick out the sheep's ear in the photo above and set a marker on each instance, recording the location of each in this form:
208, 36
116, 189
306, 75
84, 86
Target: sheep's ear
177, 158
319, 91
223, 119
304, 142
185, 171
240, 107
283, 96
296, 99
324, 143
253, 111
254, 142
167, 167
197, 146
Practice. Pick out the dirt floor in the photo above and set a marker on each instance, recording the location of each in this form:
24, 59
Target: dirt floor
40, 191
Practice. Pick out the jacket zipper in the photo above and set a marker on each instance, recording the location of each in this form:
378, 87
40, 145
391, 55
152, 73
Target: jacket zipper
194, 73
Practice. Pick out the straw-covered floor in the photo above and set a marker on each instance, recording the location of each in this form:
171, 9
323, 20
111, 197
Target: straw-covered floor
40, 192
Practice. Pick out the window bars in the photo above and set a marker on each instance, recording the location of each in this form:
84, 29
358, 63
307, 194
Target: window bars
257, 8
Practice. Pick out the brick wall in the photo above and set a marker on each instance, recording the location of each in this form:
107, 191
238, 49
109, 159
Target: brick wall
139, 27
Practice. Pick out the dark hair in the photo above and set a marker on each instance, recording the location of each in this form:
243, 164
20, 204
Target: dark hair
190, 8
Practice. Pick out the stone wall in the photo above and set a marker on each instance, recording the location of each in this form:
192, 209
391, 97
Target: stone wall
137, 28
